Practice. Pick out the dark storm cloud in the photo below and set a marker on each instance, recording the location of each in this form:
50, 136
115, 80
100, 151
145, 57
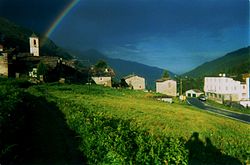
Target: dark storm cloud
153, 32
169, 16
35, 14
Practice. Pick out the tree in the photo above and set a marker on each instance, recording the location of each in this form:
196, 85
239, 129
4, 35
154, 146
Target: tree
42, 69
101, 64
165, 74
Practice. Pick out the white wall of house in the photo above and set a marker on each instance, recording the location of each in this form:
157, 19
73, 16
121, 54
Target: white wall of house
193, 93
224, 88
244, 94
245, 103
136, 82
167, 87
106, 81
248, 88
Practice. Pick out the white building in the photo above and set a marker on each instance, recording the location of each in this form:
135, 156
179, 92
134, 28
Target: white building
193, 93
167, 87
34, 45
248, 88
222, 89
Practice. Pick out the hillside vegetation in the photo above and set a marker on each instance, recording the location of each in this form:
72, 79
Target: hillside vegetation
124, 126
233, 63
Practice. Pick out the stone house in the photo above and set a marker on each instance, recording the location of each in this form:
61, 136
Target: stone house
102, 80
166, 86
135, 82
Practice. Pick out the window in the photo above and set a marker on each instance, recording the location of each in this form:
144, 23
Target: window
34, 41
226, 88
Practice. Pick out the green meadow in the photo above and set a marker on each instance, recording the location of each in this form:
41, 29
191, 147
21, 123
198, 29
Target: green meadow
227, 137
70, 124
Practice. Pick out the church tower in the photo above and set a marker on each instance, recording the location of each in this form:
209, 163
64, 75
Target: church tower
34, 45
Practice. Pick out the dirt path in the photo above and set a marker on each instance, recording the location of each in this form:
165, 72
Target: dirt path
49, 140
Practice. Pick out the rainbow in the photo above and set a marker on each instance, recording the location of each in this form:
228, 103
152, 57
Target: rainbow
60, 17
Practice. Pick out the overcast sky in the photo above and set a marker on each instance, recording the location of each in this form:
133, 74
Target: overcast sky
174, 34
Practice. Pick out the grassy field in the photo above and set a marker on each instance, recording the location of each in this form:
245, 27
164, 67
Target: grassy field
32, 130
177, 120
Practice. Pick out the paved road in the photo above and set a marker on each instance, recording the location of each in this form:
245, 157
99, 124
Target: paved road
237, 116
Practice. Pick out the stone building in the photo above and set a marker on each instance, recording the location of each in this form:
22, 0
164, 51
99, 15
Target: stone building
105, 81
135, 82
4, 68
167, 87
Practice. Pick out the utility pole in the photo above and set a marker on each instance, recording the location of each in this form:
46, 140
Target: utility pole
180, 86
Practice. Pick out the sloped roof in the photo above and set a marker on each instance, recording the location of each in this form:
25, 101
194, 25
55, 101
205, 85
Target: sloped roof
33, 35
195, 90
129, 76
162, 79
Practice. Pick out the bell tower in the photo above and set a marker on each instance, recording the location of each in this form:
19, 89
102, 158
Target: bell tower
34, 45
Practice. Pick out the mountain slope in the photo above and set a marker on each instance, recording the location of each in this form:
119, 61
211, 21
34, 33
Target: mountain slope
15, 36
123, 67
234, 63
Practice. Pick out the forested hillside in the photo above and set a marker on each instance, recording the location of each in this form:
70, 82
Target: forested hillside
234, 63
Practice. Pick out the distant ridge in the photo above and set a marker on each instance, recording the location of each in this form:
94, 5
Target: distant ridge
233, 63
